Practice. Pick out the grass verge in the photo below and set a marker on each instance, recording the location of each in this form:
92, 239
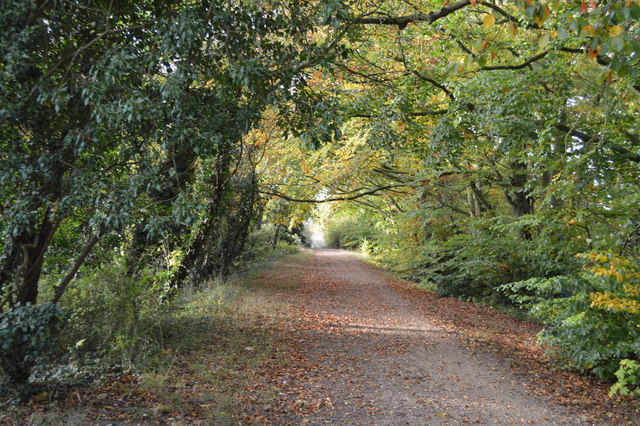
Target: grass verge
217, 358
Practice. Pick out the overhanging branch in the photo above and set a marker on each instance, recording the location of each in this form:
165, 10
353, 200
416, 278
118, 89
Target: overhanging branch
519, 66
615, 147
402, 21
408, 114
374, 191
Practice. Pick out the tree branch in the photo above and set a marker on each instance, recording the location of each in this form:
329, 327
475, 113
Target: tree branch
615, 147
510, 17
408, 114
599, 59
402, 21
327, 200
69, 59
62, 286
434, 83
517, 67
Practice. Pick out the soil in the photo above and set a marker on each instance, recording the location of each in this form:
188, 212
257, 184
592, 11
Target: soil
375, 355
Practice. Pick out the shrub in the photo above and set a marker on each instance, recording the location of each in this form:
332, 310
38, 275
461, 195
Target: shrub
351, 233
480, 255
592, 317
112, 311
260, 245
628, 379
27, 334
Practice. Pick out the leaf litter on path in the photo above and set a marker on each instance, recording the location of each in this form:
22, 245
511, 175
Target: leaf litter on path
386, 352
334, 340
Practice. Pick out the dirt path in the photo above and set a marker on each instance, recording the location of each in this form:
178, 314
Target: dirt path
377, 358
325, 338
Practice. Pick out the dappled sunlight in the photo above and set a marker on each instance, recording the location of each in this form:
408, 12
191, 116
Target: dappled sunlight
333, 327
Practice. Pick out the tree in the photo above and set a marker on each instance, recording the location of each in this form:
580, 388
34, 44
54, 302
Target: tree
107, 108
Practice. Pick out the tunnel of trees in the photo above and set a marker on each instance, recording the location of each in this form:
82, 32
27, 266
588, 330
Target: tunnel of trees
488, 150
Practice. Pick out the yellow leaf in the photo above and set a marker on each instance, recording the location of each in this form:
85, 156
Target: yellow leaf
539, 21
615, 31
514, 29
588, 29
489, 20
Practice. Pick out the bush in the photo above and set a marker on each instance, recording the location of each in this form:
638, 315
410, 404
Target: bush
480, 255
260, 245
592, 317
27, 334
125, 320
112, 312
351, 233
628, 379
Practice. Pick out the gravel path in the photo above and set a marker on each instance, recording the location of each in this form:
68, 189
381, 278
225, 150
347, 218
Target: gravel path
375, 358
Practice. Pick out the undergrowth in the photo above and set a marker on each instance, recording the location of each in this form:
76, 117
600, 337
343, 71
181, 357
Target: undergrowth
197, 355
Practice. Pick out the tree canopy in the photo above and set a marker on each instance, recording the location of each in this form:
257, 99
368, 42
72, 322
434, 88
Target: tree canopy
485, 149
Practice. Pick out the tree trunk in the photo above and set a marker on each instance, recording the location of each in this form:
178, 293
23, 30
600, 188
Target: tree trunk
238, 233
476, 200
33, 257
276, 235
517, 195
199, 253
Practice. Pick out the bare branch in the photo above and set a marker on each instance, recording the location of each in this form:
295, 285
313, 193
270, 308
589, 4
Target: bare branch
62, 286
